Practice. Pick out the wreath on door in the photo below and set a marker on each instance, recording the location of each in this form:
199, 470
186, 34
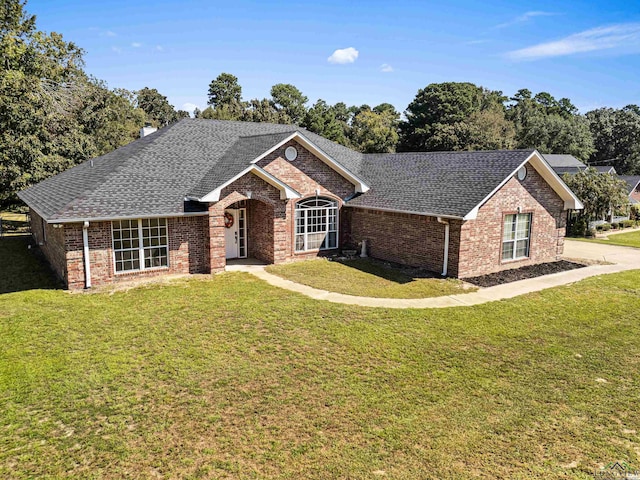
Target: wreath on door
228, 220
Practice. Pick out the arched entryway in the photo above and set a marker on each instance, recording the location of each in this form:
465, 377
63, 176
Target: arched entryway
249, 231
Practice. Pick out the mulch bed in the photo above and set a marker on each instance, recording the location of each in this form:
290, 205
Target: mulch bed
522, 273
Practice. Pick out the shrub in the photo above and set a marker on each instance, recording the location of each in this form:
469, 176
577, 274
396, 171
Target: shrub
605, 227
591, 232
628, 223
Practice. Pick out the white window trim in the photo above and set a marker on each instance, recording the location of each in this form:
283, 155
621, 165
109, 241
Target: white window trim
305, 234
140, 249
516, 239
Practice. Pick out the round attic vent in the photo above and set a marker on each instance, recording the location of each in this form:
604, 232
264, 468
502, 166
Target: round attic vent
291, 153
522, 173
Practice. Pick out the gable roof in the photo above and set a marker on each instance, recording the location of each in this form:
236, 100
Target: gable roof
168, 172
153, 175
447, 184
632, 182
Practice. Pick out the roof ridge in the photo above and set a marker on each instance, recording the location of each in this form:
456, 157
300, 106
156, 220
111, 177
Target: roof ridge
269, 134
456, 152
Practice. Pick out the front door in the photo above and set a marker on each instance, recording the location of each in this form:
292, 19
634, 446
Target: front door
235, 234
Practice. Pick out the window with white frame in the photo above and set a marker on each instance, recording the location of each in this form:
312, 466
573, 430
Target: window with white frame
140, 244
316, 224
515, 237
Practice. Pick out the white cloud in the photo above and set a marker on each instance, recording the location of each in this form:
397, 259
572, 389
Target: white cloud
136, 44
116, 49
109, 33
159, 48
344, 55
476, 42
189, 107
386, 68
525, 18
623, 37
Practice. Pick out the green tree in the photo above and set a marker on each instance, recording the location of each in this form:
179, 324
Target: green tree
289, 102
40, 83
52, 116
225, 98
438, 117
263, 111
375, 132
156, 106
327, 121
616, 135
109, 118
601, 194
549, 125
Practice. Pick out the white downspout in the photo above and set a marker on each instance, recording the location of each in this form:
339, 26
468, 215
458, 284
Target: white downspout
445, 263
87, 264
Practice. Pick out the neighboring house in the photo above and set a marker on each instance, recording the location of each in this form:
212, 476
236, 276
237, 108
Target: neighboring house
633, 187
196, 193
563, 163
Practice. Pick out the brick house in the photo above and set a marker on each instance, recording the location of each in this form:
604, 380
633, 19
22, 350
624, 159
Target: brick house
199, 192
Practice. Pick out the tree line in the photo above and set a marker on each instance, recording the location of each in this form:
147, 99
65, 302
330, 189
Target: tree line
54, 115
444, 117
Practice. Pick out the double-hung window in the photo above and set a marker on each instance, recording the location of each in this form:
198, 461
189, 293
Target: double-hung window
316, 224
516, 236
140, 244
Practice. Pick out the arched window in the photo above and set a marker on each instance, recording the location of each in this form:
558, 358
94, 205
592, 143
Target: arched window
316, 224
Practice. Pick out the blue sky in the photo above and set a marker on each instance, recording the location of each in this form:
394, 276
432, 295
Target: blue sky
386, 50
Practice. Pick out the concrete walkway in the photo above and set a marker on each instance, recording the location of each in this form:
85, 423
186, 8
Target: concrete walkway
620, 258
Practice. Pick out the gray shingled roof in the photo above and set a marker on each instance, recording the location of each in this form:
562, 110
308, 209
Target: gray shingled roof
236, 159
152, 176
562, 160
442, 183
631, 180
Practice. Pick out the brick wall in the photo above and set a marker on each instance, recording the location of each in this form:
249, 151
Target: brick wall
306, 174
404, 238
481, 239
260, 230
188, 251
53, 246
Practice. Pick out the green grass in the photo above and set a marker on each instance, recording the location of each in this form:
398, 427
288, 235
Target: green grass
629, 239
366, 278
233, 378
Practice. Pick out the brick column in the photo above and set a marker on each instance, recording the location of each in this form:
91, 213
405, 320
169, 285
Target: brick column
217, 260
282, 220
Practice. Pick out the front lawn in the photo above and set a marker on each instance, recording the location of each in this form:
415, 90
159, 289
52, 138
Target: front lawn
629, 239
367, 278
233, 378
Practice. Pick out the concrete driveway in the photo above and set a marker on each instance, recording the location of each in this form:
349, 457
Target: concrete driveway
622, 256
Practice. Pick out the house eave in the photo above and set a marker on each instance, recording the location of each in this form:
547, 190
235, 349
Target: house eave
86, 218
